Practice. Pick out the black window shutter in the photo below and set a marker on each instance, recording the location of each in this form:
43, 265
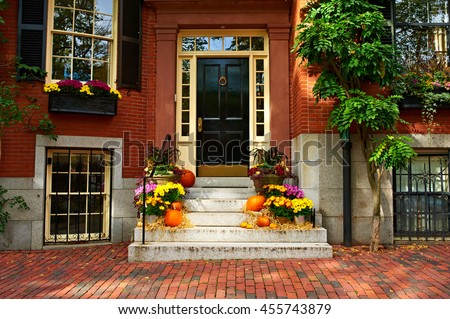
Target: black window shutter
129, 62
31, 33
386, 10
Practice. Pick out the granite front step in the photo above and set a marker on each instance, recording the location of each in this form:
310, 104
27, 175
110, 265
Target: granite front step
233, 235
219, 193
224, 182
222, 204
225, 218
218, 218
169, 251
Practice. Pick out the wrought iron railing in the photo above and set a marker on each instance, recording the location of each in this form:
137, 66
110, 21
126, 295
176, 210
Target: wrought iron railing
157, 161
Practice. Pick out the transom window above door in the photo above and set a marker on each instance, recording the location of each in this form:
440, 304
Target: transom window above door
222, 43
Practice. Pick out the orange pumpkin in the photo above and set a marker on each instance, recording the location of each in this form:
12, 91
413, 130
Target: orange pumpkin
255, 203
173, 217
176, 206
187, 178
263, 221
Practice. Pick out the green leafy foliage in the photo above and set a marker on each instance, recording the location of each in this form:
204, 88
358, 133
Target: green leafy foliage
343, 38
16, 201
14, 117
393, 151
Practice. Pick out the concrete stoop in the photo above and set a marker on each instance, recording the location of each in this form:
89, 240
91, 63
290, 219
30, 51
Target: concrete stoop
215, 208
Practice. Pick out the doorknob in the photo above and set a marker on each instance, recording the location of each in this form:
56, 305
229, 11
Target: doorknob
200, 124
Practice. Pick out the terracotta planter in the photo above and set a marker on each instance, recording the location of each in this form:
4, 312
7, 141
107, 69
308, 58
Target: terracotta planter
64, 103
266, 180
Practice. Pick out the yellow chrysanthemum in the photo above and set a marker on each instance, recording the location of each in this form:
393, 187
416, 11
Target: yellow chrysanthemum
51, 87
112, 91
86, 89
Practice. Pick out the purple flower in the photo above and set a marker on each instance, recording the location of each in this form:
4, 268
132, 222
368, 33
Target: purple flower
98, 84
150, 187
293, 191
72, 83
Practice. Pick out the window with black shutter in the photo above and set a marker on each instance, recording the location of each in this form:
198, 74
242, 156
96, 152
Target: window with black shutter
129, 68
31, 33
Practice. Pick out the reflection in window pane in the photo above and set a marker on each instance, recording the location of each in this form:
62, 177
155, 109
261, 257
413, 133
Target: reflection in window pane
101, 71
186, 64
103, 25
64, 3
421, 43
85, 4
79, 163
185, 129
62, 19
260, 90
230, 43
259, 65
260, 117
186, 78
60, 182
201, 44
260, 104
260, 129
243, 43
62, 44
59, 204
82, 47
61, 69
60, 162
185, 91
83, 22
104, 6
187, 44
257, 43
77, 204
216, 44
431, 11
185, 117
96, 183
102, 50
185, 104
81, 70
78, 183
96, 163
259, 78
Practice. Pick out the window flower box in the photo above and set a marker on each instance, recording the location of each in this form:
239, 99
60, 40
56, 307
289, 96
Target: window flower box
72, 96
66, 103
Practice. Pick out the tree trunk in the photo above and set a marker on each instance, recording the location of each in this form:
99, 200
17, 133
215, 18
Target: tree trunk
376, 217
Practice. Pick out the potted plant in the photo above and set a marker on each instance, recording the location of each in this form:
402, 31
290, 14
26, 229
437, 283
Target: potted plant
158, 198
269, 167
161, 165
287, 202
92, 97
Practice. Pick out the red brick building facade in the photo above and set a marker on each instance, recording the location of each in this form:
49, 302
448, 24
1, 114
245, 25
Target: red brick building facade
175, 37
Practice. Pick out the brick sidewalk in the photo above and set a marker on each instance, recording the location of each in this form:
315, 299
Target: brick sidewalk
416, 271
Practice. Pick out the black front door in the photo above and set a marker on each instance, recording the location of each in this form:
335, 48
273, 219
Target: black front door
222, 117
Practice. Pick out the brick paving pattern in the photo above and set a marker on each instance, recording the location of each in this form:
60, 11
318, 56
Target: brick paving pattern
414, 271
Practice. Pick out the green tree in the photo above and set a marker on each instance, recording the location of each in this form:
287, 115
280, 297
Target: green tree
343, 38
